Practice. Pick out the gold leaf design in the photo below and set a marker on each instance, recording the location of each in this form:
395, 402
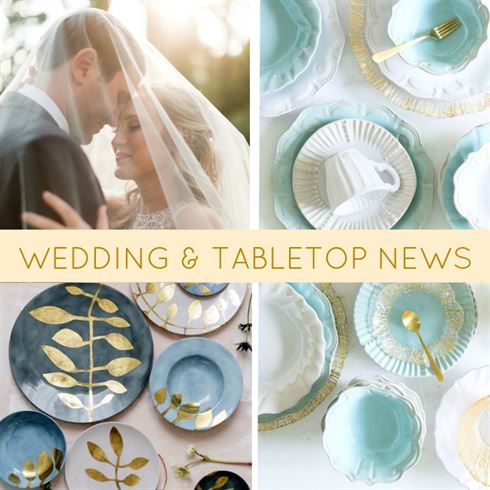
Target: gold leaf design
203, 419
190, 408
233, 297
137, 463
61, 380
119, 341
105, 400
160, 396
29, 470
59, 359
108, 306
57, 458
13, 478
117, 321
68, 338
116, 441
116, 386
152, 287
172, 311
221, 482
96, 475
219, 418
74, 290
222, 304
131, 480
186, 412
195, 309
122, 365
97, 452
167, 293
211, 315
71, 401
51, 315
204, 289
44, 466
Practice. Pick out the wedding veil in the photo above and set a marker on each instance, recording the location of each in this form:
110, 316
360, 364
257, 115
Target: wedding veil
155, 142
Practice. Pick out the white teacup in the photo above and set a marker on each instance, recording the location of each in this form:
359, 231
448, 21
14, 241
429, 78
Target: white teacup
353, 182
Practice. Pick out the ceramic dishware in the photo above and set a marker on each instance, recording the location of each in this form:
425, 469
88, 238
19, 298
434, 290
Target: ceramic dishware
112, 455
374, 431
32, 450
462, 430
80, 352
196, 384
353, 182
183, 311
472, 188
448, 320
224, 480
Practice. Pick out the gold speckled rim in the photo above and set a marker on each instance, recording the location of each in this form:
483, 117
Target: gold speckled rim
433, 108
338, 311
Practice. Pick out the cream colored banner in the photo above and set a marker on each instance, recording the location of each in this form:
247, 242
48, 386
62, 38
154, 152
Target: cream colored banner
245, 256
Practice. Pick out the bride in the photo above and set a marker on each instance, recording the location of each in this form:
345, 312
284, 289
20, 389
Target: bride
185, 165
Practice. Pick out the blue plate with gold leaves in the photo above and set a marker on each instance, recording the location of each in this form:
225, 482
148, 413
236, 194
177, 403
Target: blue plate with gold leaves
32, 450
224, 480
81, 352
196, 384
203, 289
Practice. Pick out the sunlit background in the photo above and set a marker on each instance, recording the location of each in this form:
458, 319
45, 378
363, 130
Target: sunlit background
206, 40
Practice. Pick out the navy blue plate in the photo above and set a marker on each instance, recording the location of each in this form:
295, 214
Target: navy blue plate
224, 480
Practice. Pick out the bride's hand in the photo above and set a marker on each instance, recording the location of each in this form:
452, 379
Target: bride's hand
69, 217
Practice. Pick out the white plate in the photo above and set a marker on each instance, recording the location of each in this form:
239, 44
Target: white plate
292, 348
462, 425
85, 467
321, 69
376, 144
472, 81
170, 307
472, 188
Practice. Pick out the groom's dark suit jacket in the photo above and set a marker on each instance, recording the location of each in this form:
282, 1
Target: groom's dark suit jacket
36, 155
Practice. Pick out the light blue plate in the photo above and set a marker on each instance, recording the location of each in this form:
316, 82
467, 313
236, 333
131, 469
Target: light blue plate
30, 439
468, 144
196, 384
203, 289
448, 322
313, 118
289, 33
319, 302
411, 19
372, 434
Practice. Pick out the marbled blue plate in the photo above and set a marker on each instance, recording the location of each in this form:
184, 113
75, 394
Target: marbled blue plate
51, 356
201, 289
313, 118
222, 480
32, 449
196, 384
468, 144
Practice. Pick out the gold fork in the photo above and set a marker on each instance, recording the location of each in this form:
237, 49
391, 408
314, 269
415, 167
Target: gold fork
439, 32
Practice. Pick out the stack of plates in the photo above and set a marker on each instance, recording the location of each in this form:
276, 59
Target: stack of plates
302, 347
374, 430
321, 131
457, 82
301, 44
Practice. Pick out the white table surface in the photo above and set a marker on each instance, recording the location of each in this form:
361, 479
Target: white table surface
232, 440
293, 457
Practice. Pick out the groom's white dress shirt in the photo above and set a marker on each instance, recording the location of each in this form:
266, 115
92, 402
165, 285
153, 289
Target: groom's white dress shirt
47, 103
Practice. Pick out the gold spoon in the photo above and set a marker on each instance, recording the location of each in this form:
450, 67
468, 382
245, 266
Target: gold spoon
412, 323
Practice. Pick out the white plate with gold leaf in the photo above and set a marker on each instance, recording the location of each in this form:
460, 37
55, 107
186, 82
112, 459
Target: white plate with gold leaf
112, 455
172, 308
463, 429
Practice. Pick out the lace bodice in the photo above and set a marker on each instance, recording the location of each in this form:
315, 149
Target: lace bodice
159, 220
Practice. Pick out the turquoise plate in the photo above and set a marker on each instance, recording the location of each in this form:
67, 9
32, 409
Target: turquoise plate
448, 320
468, 144
319, 302
411, 19
32, 450
196, 384
289, 33
313, 118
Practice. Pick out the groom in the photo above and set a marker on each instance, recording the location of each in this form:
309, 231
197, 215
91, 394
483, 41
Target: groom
79, 87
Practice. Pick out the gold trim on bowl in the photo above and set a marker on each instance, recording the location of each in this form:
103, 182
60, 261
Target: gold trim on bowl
439, 109
340, 317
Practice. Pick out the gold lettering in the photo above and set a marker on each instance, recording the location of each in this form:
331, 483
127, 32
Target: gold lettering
463, 257
162, 258
34, 257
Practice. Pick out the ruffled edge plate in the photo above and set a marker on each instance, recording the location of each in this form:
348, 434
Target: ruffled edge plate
312, 119
363, 312
326, 302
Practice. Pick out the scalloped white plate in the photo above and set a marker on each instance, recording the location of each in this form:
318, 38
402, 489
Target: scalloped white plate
292, 348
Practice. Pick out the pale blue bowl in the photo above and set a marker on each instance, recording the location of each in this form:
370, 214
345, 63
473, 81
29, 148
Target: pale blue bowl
414, 18
372, 434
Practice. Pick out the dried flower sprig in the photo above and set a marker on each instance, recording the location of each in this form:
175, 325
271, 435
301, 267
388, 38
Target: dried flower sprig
246, 328
185, 470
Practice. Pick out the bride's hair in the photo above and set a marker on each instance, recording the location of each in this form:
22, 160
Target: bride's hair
187, 117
